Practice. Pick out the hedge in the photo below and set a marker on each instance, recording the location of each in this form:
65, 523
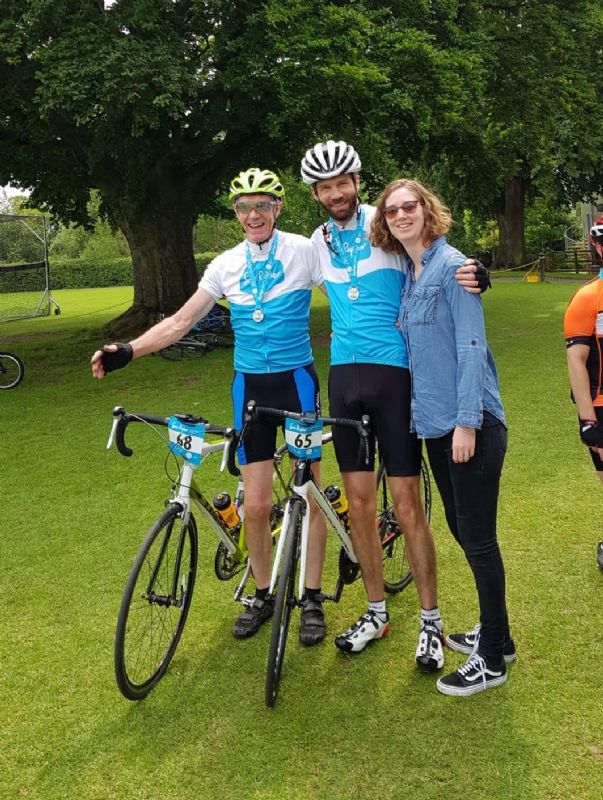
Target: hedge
78, 273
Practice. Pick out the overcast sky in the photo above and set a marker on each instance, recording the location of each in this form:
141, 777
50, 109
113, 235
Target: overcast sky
11, 190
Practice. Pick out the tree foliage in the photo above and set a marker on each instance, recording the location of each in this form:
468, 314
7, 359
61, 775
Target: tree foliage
538, 129
157, 103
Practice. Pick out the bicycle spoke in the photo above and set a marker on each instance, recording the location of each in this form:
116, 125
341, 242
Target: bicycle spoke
151, 617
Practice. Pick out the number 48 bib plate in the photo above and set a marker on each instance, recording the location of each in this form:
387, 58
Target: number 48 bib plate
304, 440
186, 440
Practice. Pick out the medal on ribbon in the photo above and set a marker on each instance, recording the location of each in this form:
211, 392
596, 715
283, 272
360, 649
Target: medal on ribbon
350, 255
259, 289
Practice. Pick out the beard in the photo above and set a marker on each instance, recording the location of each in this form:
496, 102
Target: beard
342, 213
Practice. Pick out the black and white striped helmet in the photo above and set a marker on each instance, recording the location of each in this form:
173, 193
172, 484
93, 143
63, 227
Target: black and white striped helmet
328, 159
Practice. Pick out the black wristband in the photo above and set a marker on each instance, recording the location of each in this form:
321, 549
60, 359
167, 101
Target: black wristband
120, 358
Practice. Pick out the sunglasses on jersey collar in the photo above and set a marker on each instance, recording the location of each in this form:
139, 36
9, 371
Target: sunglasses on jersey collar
247, 206
408, 206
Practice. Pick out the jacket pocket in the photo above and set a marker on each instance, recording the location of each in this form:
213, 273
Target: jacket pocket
424, 305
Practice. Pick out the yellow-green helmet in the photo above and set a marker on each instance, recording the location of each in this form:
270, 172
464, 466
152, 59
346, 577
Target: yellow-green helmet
256, 181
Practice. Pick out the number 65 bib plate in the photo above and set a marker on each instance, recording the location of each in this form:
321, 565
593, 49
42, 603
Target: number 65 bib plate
304, 440
186, 439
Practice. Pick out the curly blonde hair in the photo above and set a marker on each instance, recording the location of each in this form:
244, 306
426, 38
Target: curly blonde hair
438, 218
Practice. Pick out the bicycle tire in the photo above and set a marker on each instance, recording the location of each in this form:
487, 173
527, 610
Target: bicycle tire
171, 353
285, 598
148, 630
396, 569
11, 370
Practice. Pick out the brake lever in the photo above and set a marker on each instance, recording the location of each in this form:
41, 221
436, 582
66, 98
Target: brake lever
111, 439
117, 414
365, 424
226, 452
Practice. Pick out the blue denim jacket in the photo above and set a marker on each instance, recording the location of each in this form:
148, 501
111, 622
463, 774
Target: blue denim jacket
454, 377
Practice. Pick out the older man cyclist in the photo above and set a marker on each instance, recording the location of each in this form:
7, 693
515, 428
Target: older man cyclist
268, 280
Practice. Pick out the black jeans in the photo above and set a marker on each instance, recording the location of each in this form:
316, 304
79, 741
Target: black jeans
470, 495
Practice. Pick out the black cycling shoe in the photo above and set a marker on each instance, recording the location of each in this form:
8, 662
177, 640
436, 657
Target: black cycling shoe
312, 629
600, 555
252, 619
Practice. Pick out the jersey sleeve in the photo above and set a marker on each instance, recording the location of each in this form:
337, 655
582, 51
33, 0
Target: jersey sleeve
316, 275
580, 317
211, 280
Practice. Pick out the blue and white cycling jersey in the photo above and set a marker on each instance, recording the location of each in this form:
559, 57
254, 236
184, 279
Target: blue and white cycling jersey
364, 330
281, 340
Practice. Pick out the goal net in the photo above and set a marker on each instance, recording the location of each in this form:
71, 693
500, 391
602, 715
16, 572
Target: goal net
24, 268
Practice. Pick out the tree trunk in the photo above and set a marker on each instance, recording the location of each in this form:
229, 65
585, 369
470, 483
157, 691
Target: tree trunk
511, 251
165, 276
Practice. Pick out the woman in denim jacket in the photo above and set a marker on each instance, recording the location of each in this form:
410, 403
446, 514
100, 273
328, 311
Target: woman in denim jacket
456, 408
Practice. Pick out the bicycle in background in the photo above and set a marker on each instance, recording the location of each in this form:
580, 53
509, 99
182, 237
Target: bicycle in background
213, 330
11, 370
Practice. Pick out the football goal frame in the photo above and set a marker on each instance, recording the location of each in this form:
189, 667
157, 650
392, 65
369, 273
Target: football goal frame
25, 289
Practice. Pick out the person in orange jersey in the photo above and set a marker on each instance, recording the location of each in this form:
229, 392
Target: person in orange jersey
583, 331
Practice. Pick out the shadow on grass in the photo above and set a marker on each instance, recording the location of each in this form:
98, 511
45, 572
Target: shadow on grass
368, 725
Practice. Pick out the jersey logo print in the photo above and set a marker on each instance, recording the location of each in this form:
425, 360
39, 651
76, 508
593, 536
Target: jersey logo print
274, 276
363, 252
599, 323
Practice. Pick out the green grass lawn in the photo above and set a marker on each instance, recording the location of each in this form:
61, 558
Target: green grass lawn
368, 726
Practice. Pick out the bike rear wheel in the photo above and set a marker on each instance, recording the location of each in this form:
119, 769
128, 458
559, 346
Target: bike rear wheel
11, 370
285, 600
155, 603
396, 568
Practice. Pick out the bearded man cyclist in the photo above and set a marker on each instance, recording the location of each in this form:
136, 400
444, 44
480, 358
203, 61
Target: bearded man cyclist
267, 280
370, 375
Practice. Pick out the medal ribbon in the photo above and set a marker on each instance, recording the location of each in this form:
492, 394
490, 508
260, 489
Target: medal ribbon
259, 291
349, 257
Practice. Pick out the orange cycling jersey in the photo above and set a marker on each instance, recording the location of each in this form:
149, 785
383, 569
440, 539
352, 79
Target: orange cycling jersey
583, 324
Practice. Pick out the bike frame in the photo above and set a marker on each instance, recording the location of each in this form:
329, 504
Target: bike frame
304, 486
187, 492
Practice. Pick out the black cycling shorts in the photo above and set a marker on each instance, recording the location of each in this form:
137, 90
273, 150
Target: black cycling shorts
382, 392
593, 453
293, 390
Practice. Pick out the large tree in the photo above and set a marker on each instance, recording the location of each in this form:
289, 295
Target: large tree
538, 129
149, 101
156, 102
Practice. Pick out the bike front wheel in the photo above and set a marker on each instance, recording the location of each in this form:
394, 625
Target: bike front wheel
396, 567
285, 600
155, 603
11, 370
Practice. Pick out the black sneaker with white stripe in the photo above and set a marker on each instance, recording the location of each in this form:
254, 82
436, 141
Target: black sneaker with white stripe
467, 643
474, 676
